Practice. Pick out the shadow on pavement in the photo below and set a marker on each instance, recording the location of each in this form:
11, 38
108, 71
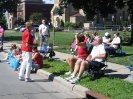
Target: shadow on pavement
121, 76
41, 80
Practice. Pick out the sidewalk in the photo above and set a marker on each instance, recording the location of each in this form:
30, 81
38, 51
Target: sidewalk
115, 70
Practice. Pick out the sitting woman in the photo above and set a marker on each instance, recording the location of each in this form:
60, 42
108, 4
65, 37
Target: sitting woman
113, 46
82, 52
106, 39
87, 37
9, 54
37, 59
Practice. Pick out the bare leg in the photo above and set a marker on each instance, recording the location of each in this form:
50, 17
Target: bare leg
71, 62
77, 66
84, 64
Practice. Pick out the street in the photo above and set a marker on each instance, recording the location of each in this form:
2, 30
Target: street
12, 88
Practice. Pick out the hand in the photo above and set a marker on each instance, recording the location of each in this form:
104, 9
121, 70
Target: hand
35, 44
76, 35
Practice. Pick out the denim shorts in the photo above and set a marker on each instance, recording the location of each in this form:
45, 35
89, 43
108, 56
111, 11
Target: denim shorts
44, 38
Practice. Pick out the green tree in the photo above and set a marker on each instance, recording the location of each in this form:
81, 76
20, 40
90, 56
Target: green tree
8, 5
36, 17
20, 21
104, 7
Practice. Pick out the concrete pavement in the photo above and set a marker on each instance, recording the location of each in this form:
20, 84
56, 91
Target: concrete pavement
115, 70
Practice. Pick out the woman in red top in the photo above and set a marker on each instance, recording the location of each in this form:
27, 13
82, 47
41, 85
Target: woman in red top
37, 59
27, 44
82, 52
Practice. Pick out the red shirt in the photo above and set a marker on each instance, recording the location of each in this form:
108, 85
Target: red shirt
82, 52
26, 38
38, 60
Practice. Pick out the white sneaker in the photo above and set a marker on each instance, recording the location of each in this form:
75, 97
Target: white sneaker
21, 78
68, 73
69, 78
29, 80
74, 80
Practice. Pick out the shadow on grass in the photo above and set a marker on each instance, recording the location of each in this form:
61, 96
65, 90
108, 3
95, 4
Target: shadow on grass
13, 38
46, 66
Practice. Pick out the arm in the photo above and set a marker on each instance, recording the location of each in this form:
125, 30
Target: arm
99, 56
83, 44
31, 45
49, 33
34, 56
39, 33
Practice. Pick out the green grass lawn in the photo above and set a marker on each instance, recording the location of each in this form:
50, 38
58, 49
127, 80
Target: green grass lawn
114, 88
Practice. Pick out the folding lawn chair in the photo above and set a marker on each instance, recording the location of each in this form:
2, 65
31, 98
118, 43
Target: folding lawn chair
47, 51
97, 72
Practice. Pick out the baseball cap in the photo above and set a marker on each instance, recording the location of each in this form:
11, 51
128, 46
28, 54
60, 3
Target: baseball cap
106, 34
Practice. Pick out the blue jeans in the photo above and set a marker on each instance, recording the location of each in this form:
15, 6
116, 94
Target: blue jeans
34, 65
2, 39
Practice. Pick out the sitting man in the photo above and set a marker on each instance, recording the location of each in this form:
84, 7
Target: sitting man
114, 44
97, 55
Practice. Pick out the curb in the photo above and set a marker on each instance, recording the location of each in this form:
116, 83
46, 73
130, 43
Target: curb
73, 87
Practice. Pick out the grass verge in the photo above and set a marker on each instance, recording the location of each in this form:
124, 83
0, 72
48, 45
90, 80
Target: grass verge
114, 88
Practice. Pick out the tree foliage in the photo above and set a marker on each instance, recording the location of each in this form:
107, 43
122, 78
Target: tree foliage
8, 5
92, 7
20, 21
37, 17
104, 7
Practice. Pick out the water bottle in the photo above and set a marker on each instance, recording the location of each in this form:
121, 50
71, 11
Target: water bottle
45, 47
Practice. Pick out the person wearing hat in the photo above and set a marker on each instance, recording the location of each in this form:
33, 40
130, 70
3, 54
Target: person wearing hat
106, 39
114, 44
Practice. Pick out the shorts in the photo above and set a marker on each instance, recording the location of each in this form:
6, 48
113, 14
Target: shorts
95, 65
44, 38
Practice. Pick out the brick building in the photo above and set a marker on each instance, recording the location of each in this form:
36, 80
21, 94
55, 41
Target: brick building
26, 8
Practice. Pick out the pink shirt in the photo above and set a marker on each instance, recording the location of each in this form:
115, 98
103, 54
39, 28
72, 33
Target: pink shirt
1, 32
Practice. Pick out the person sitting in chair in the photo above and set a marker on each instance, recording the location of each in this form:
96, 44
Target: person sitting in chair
106, 39
97, 55
114, 45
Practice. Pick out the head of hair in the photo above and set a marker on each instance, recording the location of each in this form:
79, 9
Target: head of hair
86, 33
81, 37
29, 24
18, 49
117, 33
13, 46
34, 48
94, 33
99, 39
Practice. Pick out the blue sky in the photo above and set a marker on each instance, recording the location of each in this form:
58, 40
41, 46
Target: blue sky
49, 1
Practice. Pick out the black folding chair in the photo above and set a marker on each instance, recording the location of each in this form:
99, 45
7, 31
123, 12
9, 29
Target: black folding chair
98, 71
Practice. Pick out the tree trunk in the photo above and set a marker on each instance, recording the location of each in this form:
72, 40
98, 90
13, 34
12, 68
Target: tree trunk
131, 40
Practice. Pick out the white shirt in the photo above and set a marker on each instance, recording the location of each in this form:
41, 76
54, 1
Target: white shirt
44, 29
106, 40
96, 51
116, 40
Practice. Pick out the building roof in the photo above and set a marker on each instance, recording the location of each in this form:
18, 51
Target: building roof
76, 15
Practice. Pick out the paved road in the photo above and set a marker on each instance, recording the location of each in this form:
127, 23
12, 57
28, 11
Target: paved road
12, 88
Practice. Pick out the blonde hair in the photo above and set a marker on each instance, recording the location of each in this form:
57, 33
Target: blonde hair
29, 24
